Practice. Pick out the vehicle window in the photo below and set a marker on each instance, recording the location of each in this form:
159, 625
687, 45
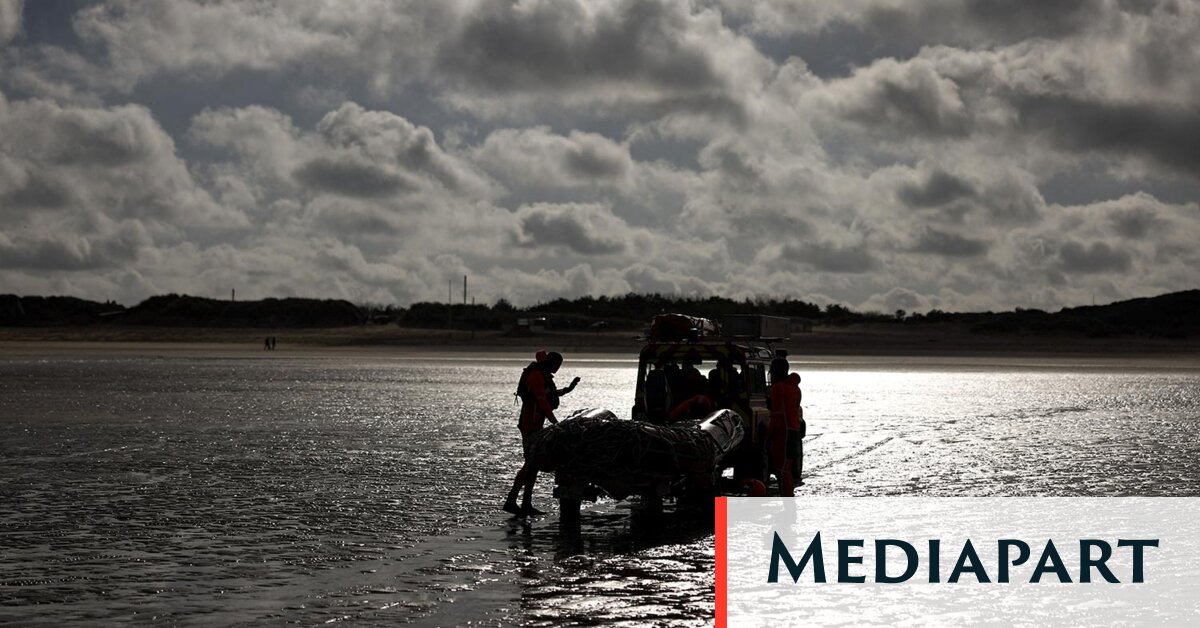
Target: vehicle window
758, 375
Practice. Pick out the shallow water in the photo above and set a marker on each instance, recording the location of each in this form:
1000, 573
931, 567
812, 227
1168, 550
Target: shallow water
366, 490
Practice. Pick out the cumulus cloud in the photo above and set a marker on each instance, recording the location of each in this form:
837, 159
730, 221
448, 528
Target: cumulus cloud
1095, 257
832, 257
587, 229
947, 244
910, 24
352, 152
1168, 135
537, 157
938, 189
640, 55
902, 98
142, 40
10, 19
116, 162
880, 153
110, 246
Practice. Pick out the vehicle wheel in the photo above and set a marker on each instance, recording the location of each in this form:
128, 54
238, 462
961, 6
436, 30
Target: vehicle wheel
652, 503
568, 509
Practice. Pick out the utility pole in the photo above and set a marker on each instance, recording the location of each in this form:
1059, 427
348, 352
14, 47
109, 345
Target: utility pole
449, 305
464, 289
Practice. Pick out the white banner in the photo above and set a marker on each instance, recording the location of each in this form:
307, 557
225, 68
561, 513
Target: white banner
897, 561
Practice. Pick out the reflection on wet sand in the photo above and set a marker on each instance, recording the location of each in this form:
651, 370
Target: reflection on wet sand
622, 565
229, 491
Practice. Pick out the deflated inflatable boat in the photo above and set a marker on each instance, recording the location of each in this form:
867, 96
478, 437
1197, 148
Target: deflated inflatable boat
594, 453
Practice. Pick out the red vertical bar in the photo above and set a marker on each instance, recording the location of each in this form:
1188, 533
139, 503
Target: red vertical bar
719, 543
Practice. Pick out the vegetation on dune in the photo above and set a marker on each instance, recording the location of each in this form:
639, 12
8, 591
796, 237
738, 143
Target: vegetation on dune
173, 310
1175, 315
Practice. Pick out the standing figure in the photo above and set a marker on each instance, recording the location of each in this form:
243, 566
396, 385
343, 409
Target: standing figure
796, 433
783, 431
539, 400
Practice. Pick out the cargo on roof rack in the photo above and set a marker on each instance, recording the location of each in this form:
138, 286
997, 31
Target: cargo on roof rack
756, 327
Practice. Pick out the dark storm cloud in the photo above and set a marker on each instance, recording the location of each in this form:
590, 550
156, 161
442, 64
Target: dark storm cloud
938, 189
903, 27
1000, 21
556, 43
39, 191
516, 120
831, 257
351, 177
834, 38
1138, 6
769, 222
1135, 223
1168, 135
550, 46
949, 244
112, 163
85, 137
64, 254
732, 162
903, 99
1097, 257
352, 219
585, 229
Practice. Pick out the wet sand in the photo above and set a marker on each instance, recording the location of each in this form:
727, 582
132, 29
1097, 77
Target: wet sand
363, 485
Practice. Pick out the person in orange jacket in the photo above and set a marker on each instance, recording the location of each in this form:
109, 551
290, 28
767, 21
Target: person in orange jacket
784, 430
539, 400
692, 409
797, 430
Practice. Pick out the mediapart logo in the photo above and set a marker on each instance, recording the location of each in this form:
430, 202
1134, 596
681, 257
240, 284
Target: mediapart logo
1094, 555
887, 561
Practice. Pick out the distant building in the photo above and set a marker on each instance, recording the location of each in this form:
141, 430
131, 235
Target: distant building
532, 325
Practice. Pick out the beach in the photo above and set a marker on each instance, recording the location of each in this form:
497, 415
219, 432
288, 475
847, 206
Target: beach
217, 482
209, 479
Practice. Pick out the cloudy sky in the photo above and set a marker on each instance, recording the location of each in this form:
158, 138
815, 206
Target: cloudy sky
883, 154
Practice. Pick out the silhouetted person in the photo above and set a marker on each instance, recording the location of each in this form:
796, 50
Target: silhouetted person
675, 381
539, 400
657, 397
267, 343
783, 431
694, 382
796, 446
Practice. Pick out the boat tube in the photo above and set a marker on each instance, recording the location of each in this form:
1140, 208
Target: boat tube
593, 449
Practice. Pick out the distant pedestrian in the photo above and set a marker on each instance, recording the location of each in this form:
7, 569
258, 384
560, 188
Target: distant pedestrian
267, 343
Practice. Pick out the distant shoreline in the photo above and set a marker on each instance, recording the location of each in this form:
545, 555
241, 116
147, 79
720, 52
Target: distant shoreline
851, 341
